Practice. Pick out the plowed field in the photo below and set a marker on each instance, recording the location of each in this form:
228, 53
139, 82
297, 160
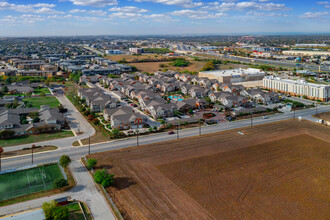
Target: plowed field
274, 171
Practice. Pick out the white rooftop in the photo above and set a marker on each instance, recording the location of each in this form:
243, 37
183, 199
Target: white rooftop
235, 72
299, 81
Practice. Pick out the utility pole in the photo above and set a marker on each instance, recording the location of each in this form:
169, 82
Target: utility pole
137, 137
1, 151
177, 130
251, 119
33, 146
89, 145
315, 108
294, 111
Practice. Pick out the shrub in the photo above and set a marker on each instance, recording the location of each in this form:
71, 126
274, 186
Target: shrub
60, 183
91, 162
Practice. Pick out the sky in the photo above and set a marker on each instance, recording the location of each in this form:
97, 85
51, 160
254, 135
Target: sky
161, 17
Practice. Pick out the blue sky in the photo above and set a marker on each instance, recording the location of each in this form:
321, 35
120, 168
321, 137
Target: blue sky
140, 17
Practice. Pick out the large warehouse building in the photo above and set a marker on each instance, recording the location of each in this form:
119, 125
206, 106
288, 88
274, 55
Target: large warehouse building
234, 75
298, 87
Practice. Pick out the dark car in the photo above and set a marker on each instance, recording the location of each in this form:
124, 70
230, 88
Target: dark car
171, 132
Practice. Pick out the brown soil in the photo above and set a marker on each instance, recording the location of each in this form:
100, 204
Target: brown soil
274, 171
325, 116
151, 67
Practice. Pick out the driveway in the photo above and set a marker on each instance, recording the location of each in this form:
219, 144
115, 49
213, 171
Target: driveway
85, 191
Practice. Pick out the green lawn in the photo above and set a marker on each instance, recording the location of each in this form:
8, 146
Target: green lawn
44, 100
29, 181
35, 138
38, 91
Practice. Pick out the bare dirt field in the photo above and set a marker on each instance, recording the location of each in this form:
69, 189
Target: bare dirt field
151, 67
273, 171
325, 116
134, 58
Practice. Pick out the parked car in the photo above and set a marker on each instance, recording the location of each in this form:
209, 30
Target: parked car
265, 117
171, 132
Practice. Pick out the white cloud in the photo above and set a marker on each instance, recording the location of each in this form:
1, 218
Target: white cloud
183, 3
94, 3
264, 14
315, 14
129, 9
40, 8
325, 3
241, 6
195, 14
23, 19
125, 15
77, 11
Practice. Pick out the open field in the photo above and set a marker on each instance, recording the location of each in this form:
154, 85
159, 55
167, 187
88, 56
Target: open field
325, 116
274, 171
29, 181
36, 102
136, 58
35, 138
151, 67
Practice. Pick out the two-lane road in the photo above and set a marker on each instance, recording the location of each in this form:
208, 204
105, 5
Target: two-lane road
77, 152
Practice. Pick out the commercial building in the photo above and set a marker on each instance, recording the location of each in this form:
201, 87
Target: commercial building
136, 50
297, 88
234, 75
306, 53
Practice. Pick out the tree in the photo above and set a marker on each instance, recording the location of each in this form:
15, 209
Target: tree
86, 112
8, 80
60, 183
95, 121
4, 90
103, 177
90, 117
65, 161
42, 93
91, 163
7, 134
54, 212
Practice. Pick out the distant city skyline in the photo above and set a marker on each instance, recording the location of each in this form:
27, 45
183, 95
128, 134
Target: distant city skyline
162, 17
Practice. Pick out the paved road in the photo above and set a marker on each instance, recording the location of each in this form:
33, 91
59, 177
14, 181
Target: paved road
77, 152
77, 123
85, 191
312, 67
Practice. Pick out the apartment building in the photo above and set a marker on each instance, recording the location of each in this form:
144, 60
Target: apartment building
298, 87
